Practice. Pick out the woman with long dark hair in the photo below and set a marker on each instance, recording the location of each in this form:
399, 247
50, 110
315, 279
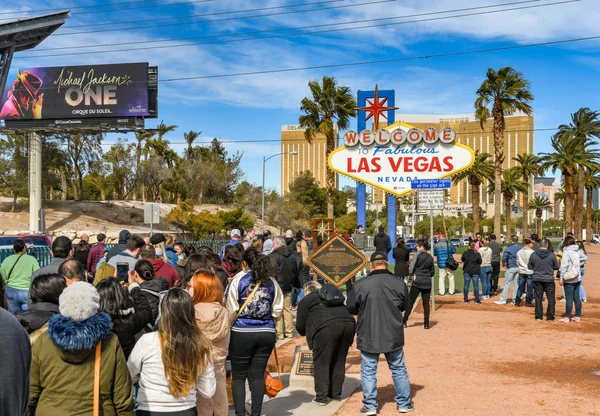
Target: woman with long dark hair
232, 260
422, 270
193, 263
402, 256
255, 301
44, 293
173, 364
216, 265
471, 260
214, 321
129, 311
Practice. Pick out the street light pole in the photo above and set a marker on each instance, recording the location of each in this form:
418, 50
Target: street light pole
262, 216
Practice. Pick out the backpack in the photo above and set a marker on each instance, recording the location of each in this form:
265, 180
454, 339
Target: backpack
160, 295
331, 296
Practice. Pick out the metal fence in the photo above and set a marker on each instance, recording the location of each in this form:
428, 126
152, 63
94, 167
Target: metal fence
43, 255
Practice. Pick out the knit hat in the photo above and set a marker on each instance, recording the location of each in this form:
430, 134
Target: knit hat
79, 301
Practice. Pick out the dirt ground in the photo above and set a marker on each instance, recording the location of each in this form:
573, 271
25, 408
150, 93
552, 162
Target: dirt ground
494, 359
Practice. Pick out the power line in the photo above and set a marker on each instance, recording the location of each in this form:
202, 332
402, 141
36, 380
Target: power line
374, 62
292, 28
188, 16
284, 140
226, 19
108, 5
294, 34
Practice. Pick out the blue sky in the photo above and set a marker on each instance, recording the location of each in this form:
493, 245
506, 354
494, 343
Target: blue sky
253, 108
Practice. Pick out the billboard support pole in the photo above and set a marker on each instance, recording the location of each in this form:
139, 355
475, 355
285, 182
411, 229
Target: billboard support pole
35, 181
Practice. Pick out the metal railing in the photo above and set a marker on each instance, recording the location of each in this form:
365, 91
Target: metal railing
44, 257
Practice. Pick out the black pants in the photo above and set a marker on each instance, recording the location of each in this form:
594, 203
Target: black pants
414, 294
549, 289
249, 353
330, 348
188, 412
495, 277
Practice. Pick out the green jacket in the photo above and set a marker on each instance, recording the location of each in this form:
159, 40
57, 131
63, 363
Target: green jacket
360, 240
62, 370
20, 277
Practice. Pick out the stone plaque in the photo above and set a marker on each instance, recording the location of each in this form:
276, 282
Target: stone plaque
305, 365
337, 261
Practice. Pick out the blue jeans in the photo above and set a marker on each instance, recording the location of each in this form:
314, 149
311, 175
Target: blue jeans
475, 279
525, 279
509, 277
582, 294
17, 299
297, 295
486, 280
572, 295
368, 378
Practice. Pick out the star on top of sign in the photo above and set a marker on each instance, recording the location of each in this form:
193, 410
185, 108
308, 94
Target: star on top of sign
376, 108
323, 229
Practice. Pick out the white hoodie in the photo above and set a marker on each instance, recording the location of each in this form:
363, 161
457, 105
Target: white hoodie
571, 259
523, 260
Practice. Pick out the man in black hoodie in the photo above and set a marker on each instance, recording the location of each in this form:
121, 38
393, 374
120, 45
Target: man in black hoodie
382, 241
543, 262
286, 277
124, 235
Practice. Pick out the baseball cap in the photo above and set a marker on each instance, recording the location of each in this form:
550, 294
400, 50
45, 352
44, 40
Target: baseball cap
236, 233
379, 255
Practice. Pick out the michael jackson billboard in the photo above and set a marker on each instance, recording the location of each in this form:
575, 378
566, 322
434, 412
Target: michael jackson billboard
119, 90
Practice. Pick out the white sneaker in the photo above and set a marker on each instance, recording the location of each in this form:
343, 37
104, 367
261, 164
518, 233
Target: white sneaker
500, 302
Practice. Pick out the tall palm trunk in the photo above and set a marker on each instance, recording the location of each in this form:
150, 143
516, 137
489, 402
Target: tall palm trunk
330, 177
568, 202
588, 216
475, 194
538, 214
498, 115
579, 204
13, 207
63, 184
507, 215
525, 210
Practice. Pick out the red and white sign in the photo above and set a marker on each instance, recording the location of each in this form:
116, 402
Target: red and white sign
391, 158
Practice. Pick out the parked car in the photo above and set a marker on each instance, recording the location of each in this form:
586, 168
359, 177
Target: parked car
596, 239
7, 241
456, 242
502, 239
465, 242
411, 244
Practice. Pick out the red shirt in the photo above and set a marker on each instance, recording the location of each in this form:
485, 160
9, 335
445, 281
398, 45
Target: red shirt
94, 256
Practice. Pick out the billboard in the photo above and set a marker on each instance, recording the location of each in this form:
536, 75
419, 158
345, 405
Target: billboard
73, 92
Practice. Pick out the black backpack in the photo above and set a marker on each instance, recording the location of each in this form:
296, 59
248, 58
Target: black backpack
331, 296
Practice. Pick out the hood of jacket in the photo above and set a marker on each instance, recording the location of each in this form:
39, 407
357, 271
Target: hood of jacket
155, 285
213, 320
285, 251
543, 253
124, 235
36, 315
157, 264
381, 234
573, 248
76, 340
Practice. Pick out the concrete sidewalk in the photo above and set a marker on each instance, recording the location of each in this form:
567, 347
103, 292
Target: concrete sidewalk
298, 402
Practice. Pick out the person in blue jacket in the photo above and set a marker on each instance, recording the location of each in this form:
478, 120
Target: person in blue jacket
509, 261
443, 249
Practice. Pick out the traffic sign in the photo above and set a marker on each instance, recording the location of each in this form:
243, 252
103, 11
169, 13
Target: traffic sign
377, 222
444, 183
431, 200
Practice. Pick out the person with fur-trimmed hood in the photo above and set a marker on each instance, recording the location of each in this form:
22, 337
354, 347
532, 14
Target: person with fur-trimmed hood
63, 360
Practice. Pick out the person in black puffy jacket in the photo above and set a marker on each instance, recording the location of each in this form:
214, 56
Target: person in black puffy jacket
422, 270
150, 286
329, 332
286, 277
44, 293
382, 241
129, 314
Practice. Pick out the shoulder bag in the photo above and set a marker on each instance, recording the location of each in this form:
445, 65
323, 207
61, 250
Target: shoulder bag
571, 274
450, 262
96, 409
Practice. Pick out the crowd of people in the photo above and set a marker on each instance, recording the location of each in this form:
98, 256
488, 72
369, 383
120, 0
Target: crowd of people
147, 326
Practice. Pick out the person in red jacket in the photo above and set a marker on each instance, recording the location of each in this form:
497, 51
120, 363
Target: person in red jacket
162, 269
95, 254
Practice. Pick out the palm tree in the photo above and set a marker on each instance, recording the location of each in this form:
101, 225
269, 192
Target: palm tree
510, 185
559, 196
529, 165
482, 169
163, 129
506, 91
330, 103
584, 125
539, 204
592, 181
189, 139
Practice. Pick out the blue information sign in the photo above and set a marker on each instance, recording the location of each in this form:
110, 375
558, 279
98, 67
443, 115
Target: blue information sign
431, 184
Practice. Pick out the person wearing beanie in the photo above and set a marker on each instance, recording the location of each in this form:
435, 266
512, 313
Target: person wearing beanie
63, 360
124, 236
